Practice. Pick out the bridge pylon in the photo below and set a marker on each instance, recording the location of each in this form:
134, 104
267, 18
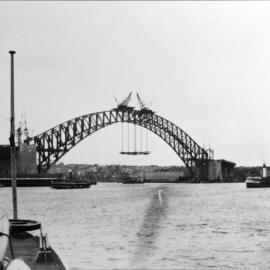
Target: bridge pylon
201, 170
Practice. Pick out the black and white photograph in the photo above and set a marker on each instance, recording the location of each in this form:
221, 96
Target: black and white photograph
134, 135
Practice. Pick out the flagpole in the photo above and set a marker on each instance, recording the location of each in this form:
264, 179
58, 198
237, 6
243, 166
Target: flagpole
12, 140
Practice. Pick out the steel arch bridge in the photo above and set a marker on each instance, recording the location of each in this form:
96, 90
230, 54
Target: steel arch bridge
53, 144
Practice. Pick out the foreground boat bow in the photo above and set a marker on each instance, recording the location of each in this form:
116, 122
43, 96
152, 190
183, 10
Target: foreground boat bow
32, 249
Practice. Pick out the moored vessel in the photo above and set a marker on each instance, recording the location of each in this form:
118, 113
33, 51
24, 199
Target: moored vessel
70, 184
259, 181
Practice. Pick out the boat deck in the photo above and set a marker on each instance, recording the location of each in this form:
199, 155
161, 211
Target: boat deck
26, 247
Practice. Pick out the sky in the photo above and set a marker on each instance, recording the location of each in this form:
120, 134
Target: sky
204, 66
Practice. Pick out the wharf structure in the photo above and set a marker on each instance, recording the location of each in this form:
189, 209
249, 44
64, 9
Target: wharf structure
25, 156
27, 174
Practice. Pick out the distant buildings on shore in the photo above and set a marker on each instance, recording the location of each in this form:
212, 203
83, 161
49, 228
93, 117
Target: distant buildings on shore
221, 170
218, 170
115, 173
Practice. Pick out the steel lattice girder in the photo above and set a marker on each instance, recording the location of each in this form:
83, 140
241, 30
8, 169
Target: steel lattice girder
53, 144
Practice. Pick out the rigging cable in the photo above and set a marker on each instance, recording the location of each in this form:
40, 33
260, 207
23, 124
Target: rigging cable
135, 138
122, 137
128, 137
141, 138
146, 140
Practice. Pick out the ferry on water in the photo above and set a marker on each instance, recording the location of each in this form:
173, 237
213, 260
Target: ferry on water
70, 184
259, 181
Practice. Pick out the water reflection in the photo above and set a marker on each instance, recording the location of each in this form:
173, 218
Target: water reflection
150, 228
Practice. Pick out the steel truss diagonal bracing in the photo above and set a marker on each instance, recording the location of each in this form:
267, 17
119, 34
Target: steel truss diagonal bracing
53, 144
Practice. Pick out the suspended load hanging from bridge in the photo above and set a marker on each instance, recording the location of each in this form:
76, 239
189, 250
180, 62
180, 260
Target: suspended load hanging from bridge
137, 149
141, 149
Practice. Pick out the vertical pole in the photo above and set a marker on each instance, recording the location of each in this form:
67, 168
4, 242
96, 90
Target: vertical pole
122, 137
134, 138
141, 139
128, 136
12, 140
146, 140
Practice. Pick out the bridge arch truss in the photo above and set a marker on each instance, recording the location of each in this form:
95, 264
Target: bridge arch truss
53, 144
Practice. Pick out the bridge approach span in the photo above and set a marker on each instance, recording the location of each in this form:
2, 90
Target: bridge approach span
53, 144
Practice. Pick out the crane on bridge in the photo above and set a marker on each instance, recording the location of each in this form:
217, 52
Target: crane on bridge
123, 106
143, 108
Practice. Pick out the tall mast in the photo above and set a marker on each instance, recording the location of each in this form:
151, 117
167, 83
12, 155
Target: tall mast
12, 140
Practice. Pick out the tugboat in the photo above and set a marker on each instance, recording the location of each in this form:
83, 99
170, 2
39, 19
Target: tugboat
70, 183
34, 252
259, 181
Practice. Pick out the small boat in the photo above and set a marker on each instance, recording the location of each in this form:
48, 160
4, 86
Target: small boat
33, 251
70, 184
257, 182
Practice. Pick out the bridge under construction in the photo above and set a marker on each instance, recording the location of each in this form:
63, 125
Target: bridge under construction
39, 153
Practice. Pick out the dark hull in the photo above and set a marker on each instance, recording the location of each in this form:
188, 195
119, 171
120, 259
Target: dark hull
258, 182
258, 185
69, 184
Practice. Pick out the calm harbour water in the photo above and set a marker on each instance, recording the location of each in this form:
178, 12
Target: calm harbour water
184, 226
